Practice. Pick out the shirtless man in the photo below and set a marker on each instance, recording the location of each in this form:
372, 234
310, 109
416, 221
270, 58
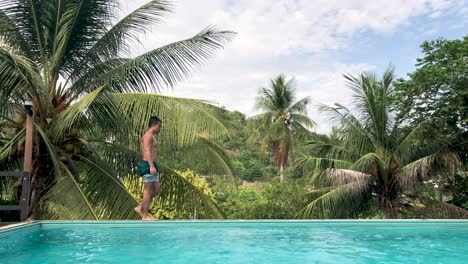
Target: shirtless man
148, 169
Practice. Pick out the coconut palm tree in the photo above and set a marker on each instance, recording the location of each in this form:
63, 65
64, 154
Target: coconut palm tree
91, 103
282, 121
371, 156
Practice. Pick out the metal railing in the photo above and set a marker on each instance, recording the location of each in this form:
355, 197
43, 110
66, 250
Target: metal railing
23, 205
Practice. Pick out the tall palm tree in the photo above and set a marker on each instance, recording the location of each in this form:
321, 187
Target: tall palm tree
371, 156
91, 103
282, 120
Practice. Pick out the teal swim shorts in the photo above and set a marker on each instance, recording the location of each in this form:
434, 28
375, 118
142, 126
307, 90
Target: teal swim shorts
144, 171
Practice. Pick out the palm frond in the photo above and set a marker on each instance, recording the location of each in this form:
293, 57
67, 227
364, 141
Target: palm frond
218, 160
11, 36
299, 107
121, 36
63, 190
8, 146
433, 166
367, 162
27, 17
51, 150
341, 199
265, 99
88, 80
19, 76
122, 159
183, 119
371, 97
179, 193
168, 65
316, 165
328, 146
300, 120
65, 200
68, 118
78, 27
406, 148
344, 176
105, 191
365, 97
355, 130
441, 210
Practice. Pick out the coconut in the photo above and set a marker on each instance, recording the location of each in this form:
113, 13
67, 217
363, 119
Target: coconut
69, 147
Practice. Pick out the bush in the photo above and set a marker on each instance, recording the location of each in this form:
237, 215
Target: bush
168, 211
274, 201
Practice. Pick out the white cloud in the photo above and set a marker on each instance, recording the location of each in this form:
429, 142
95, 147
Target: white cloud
297, 37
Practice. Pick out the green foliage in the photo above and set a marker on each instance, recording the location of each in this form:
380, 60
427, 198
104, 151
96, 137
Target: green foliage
273, 201
166, 209
435, 97
91, 105
436, 93
243, 204
282, 120
459, 189
371, 158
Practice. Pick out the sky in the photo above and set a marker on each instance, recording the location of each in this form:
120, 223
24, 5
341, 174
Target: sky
313, 41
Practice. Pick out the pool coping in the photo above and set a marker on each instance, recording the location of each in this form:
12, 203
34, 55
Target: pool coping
14, 228
240, 221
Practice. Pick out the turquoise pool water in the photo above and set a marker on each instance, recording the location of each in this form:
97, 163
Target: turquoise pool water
237, 242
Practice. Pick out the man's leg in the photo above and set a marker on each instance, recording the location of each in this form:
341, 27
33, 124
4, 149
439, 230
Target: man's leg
138, 209
147, 197
156, 188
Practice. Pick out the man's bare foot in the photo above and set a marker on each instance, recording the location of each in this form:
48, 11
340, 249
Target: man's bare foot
138, 210
148, 218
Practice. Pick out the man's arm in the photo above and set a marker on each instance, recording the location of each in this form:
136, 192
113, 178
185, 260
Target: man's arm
147, 153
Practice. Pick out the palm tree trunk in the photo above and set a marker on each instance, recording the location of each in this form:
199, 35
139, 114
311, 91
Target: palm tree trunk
42, 177
389, 208
37, 188
281, 173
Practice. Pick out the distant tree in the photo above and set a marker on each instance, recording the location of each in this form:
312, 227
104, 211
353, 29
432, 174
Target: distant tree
435, 95
372, 156
282, 121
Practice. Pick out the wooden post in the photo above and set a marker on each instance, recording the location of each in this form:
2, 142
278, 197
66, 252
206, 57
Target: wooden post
24, 200
27, 165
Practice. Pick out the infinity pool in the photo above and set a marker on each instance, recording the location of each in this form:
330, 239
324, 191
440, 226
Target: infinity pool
237, 242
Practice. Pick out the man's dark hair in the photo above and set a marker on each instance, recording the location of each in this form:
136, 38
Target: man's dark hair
154, 120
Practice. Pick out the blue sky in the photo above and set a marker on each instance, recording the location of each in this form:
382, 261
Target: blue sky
314, 41
402, 47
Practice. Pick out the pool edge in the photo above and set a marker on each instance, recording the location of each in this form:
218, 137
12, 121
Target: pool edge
17, 227
9, 229
317, 223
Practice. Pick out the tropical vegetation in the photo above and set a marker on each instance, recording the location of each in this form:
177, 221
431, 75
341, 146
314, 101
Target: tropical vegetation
398, 150
91, 103
372, 157
282, 121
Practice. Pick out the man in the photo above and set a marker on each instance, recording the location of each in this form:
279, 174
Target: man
148, 169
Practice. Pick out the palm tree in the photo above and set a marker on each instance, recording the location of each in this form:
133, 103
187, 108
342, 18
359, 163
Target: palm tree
370, 156
91, 104
282, 119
